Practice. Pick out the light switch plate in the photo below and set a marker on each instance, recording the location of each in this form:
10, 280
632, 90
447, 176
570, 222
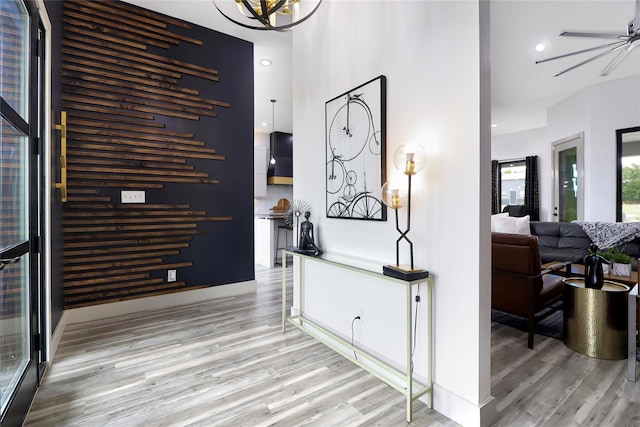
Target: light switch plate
171, 276
132, 196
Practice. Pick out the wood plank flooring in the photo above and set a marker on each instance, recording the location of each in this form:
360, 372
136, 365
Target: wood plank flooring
226, 363
217, 363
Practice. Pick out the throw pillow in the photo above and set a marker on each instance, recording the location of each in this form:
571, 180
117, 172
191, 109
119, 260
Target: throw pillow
512, 224
495, 217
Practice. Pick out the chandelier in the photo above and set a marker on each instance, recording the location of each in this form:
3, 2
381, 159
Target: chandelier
266, 14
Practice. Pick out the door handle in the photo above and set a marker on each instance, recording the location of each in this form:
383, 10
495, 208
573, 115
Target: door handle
5, 262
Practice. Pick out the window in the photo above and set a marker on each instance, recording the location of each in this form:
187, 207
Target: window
512, 179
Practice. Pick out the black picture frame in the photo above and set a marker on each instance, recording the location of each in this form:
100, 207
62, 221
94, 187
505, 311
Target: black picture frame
355, 147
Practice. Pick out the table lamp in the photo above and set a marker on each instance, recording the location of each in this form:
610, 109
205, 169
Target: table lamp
410, 159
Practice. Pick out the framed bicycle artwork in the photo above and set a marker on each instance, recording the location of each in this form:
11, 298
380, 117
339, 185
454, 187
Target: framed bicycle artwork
355, 152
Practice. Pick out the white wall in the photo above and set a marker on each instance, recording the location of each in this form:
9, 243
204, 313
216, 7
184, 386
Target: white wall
518, 145
598, 111
433, 98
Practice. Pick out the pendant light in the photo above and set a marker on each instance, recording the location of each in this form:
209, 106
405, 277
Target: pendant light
272, 146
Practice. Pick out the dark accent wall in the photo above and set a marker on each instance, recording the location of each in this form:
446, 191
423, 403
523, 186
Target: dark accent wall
159, 105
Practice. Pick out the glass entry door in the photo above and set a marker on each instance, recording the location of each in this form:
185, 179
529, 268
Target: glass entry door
568, 186
19, 218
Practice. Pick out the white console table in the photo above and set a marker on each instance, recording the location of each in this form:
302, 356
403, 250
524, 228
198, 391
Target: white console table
407, 385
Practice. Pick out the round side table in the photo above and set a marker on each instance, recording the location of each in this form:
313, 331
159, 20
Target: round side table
595, 320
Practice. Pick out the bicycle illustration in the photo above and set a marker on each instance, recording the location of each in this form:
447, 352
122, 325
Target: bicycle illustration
355, 152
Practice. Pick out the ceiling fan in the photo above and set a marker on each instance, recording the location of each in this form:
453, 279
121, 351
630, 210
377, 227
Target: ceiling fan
624, 45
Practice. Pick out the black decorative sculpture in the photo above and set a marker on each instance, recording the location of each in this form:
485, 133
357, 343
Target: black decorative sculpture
593, 274
306, 245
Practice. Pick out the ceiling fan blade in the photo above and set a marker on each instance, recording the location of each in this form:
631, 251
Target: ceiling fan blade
581, 51
617, 60
593, 35
593, 58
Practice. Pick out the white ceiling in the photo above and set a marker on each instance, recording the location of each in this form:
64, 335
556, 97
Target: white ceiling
521, 90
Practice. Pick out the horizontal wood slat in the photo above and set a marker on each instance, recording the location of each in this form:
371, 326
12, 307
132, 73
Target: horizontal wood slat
115, 32
96, 238
119, 243
90, 290
144, 12
129, 116
121, 250
128, 106
69, 30
116, 271
107, 184
144, 54
131, 213
131, 128
91, 160
164, 220
153, 28
149, 36
105, 280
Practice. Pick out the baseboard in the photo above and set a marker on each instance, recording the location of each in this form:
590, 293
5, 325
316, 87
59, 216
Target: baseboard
101, 311
461, 410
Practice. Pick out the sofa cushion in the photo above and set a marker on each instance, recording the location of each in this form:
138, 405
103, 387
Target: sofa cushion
560, 241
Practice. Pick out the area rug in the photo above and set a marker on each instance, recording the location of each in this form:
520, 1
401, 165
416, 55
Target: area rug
549, 327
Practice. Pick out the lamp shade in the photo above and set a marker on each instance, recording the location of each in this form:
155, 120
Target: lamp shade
393, 195
409, 158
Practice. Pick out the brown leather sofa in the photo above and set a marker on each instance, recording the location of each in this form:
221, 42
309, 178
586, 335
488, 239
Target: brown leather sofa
518, 284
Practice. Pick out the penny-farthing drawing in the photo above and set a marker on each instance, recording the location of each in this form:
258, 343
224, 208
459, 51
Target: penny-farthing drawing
355, 150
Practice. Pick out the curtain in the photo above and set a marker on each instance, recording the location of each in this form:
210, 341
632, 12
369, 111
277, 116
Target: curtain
531, 189
495, 187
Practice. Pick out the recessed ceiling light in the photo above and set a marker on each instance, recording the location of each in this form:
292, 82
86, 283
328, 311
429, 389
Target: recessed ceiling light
264, 123
540, 47
494, 125
265, 62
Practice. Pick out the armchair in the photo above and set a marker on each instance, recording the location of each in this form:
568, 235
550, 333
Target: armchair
519, 286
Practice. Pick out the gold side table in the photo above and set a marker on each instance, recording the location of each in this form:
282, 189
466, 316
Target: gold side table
595, 320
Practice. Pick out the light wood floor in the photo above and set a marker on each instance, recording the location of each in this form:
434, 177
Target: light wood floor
226, 363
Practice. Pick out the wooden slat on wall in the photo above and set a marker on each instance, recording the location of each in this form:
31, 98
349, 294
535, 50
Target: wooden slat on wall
127, 107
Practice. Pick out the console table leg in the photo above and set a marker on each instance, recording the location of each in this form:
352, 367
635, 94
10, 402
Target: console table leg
409, 358
631, 333
284, 293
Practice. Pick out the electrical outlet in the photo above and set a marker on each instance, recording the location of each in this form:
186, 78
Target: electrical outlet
171, 276
132, 196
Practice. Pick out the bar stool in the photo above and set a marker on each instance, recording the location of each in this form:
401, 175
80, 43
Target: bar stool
286, 229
